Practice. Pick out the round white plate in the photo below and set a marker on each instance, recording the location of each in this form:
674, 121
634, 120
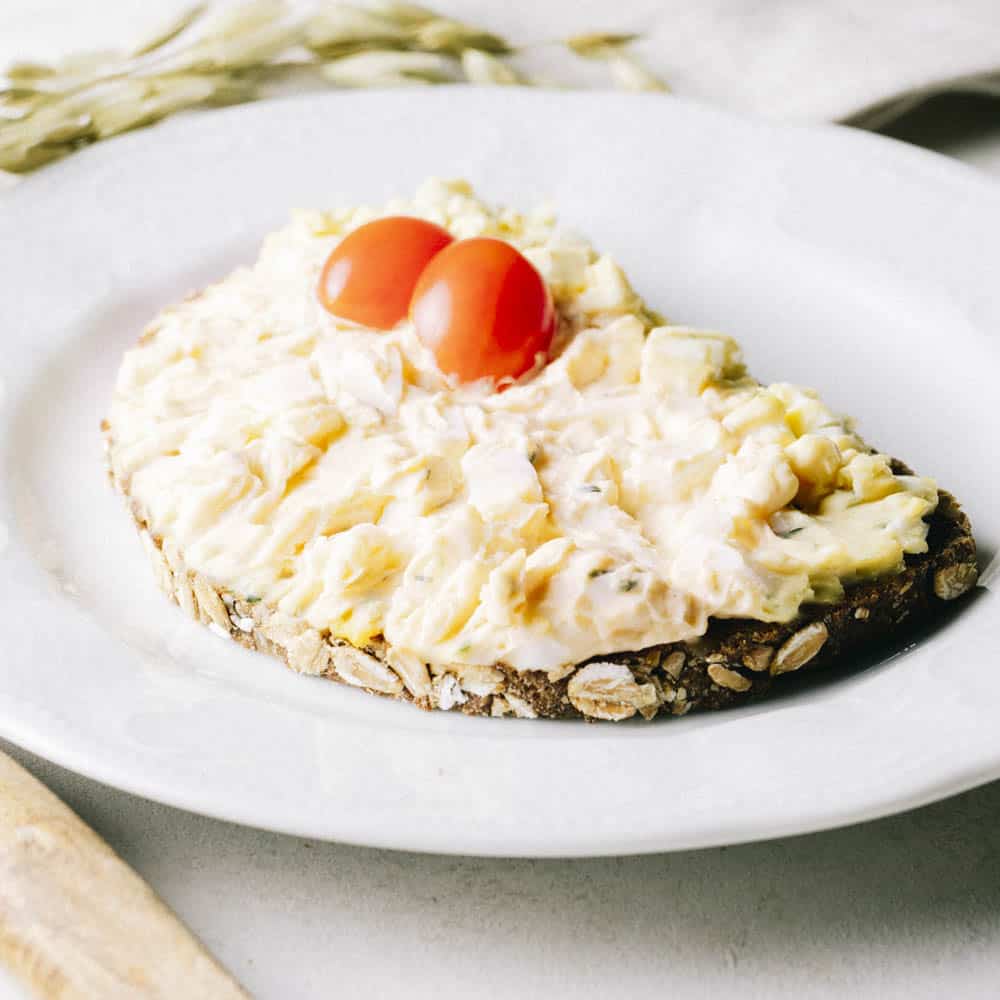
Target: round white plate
838, 259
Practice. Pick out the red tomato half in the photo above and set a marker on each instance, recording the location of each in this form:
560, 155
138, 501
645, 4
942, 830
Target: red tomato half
483, 309
370, 275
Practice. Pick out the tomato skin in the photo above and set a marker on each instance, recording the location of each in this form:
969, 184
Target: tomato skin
483, 310
370, 275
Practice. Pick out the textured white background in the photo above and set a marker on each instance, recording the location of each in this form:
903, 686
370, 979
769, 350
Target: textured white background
905, 907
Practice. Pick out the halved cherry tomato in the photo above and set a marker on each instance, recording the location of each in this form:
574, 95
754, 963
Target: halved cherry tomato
370, 275
483, 310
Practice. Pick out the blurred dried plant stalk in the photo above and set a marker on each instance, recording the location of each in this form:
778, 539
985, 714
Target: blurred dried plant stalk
626, 70
212, 57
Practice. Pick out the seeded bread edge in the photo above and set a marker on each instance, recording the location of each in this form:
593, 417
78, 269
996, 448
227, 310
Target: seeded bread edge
734, 661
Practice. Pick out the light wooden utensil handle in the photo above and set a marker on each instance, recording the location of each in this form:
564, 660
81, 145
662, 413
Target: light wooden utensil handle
76, 921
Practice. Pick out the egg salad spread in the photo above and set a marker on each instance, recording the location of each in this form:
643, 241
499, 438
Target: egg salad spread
620, 494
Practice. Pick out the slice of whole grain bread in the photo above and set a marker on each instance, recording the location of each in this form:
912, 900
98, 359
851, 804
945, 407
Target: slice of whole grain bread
734, 661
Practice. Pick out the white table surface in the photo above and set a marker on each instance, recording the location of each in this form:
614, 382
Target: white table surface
904, 907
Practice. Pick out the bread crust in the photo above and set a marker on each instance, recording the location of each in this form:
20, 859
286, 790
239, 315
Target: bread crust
735, 661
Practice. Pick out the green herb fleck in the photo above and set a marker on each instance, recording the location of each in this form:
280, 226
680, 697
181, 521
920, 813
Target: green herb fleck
590, 488
594, 573
626, 585
791, 531
252, 599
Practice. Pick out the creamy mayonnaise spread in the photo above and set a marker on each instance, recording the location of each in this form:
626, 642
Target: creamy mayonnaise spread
614, 498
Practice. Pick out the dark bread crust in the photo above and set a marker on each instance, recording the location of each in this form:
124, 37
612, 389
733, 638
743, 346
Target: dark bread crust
734, 661
869, 613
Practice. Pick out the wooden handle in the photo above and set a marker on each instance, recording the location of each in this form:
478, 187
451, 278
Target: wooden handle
76, 921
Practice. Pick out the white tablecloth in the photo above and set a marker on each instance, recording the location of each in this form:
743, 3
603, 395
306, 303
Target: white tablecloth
905, 907
795, 59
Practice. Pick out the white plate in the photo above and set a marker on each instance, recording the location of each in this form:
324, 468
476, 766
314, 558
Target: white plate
839, 259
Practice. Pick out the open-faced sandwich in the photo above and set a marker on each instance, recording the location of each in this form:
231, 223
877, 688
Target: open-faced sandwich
444, 453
